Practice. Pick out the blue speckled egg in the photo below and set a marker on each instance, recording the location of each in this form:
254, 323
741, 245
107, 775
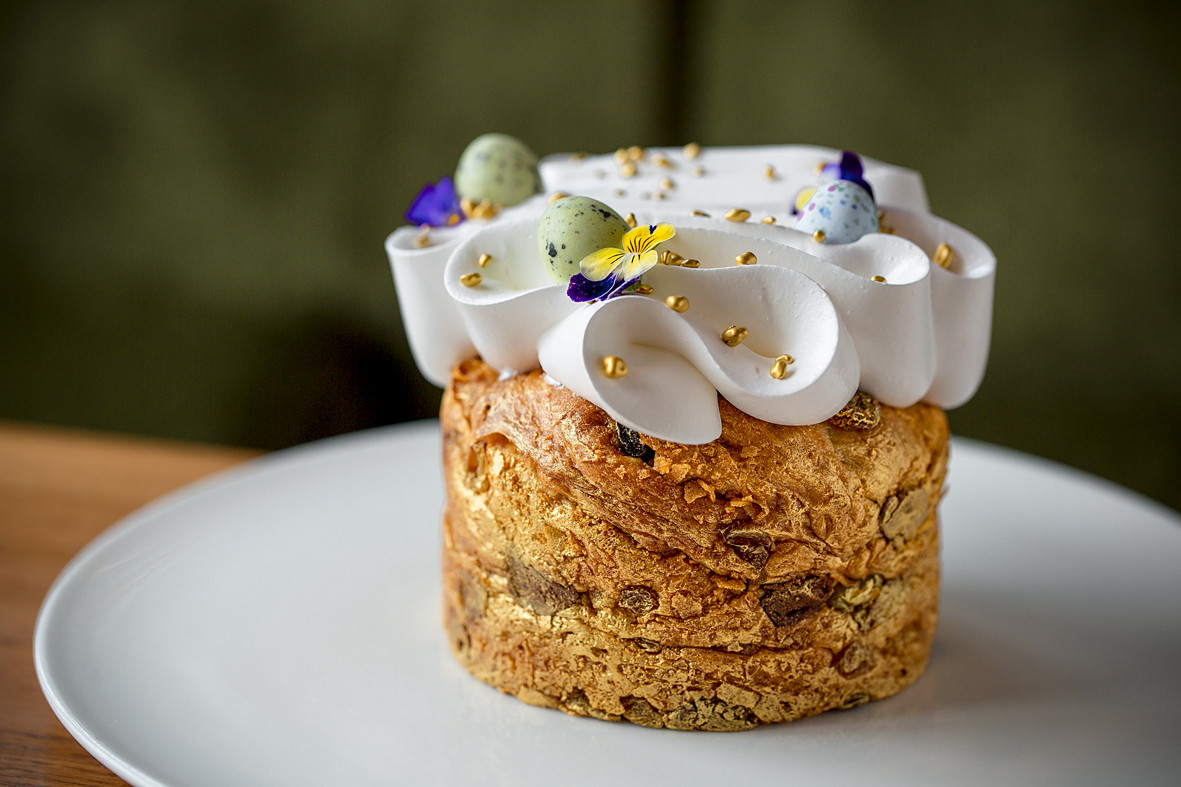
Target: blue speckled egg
842, 209
573, 227
497, 168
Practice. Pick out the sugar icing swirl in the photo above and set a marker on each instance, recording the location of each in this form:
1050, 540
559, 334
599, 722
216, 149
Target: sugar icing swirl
876, 314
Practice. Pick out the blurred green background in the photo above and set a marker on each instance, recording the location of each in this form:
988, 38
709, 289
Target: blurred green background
195, 195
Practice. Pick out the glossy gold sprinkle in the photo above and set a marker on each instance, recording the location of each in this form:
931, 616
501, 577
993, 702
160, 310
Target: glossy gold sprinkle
478, 210
613, 366
579, 156
769, 172
627, 169
661, 160
779, 368
819, 167
470, 279
658, 195
669, 257
818, 236
643, 289
620, 193
636, 153
557, 195
737, 214
621, 156
692, 150
691, 264
767, 220
699, 213
484, 260
631, 220
734, 335
422, 240
667, 184
698, 172
942, 256
880, 279
746, 258
678, 303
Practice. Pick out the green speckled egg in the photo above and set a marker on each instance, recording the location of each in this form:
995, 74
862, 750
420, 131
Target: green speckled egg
573, 227
497, 168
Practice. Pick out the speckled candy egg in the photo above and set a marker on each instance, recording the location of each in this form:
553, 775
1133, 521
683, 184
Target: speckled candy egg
842, 209
497, 168
573, 227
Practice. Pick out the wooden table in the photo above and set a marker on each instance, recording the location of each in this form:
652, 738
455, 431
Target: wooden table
58, 490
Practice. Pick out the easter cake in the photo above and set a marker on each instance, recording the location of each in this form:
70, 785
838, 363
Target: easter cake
693, 425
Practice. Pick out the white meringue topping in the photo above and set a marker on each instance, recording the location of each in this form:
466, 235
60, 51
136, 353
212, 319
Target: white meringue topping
875, 315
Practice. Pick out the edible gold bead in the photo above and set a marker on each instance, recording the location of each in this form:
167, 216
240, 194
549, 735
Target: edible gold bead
627, 169
678, 303
942, 256
621, 156
698, 172
619, 193
668, 257
734, 335
643, 289
737, 214
661, 160
779, 368
658, 195
579, 156
636, 153
422, 240
818, 236
484, 260
691, 264
699, 213
667, 184
471, 279
881, 279
613, 366
746, 258
692, 150
767, 220
769, 172
631, 220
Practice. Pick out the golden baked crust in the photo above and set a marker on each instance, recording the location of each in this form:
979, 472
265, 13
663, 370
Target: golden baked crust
772, 574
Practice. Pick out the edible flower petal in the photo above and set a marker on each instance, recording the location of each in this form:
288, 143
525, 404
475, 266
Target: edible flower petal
608, 272
848, 168
436, 205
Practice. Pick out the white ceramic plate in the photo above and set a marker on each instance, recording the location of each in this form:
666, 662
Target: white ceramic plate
278, 624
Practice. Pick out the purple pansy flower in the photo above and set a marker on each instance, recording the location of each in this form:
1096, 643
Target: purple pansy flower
436, 205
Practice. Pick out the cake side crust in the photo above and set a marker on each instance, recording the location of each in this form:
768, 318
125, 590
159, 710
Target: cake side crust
773, 574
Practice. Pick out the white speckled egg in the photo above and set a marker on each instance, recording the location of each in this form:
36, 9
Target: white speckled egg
573, 227
497, 168
842, 209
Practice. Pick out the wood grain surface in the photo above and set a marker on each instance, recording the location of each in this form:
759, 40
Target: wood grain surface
58, 490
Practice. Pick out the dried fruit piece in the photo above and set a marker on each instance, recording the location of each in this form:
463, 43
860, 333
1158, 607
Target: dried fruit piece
787, 602
630, 444
861, 413
538, 592
638, 599
903, 513
753, 546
